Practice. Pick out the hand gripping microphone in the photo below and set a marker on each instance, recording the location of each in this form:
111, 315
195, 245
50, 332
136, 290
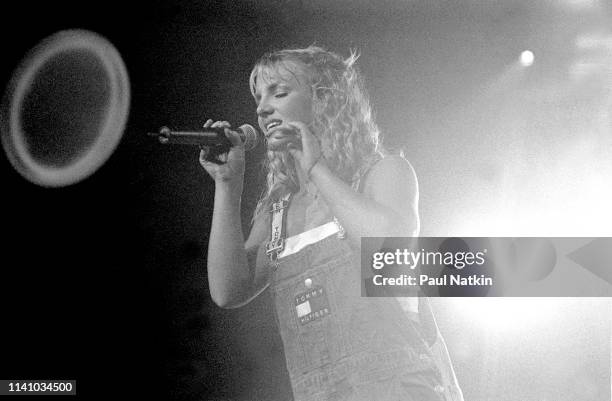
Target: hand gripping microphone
209, 137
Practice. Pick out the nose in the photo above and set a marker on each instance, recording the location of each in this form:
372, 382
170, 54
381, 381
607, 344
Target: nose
264, 109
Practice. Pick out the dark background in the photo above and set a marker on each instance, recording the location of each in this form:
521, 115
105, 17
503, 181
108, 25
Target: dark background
104, 281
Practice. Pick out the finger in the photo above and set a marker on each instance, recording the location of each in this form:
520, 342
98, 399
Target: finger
213, 157
307, 138
217, 161
304, 133
295, 152
221, 124
300, 127
204, 152
207, 123
293, 146
207, 157
204, 162
234, 138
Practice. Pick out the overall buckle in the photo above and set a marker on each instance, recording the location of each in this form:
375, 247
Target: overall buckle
280, 205
273, 248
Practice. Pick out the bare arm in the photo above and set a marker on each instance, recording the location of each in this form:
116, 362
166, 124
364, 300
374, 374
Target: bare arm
388, 205
233, 276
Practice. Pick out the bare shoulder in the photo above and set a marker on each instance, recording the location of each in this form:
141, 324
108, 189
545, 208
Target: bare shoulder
393, 173
392, 184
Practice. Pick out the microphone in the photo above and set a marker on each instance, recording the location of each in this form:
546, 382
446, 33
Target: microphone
210, 137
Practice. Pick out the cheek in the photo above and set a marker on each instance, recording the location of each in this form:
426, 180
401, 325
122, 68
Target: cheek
303, 107
306, 116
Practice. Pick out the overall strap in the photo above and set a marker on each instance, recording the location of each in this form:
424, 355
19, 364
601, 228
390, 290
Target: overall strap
357, 184
278, 224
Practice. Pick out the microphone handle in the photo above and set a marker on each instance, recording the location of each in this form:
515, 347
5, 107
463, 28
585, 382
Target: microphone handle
212, 137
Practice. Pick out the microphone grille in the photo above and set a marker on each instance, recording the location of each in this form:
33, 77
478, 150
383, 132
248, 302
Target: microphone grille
251, 137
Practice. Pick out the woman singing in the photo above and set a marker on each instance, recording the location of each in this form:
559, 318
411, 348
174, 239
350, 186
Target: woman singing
328, 185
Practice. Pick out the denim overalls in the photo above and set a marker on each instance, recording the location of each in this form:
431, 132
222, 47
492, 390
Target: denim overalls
342, 346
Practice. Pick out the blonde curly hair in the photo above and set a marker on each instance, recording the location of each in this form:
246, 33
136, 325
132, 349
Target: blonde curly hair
341, 114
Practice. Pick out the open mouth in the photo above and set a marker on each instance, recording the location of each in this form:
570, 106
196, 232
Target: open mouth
272, 124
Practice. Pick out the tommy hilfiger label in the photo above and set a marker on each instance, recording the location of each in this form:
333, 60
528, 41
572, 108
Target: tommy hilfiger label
312, 305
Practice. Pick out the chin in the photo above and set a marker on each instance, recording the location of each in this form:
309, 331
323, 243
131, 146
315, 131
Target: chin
279, 144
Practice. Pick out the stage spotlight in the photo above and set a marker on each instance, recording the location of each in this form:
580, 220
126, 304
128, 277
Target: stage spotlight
65, 109
527, 58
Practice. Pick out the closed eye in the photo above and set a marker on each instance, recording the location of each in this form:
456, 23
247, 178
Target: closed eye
281, 94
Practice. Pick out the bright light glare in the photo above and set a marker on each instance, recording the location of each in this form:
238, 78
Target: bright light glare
594, 41
527, 58
580, 4
510, 315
